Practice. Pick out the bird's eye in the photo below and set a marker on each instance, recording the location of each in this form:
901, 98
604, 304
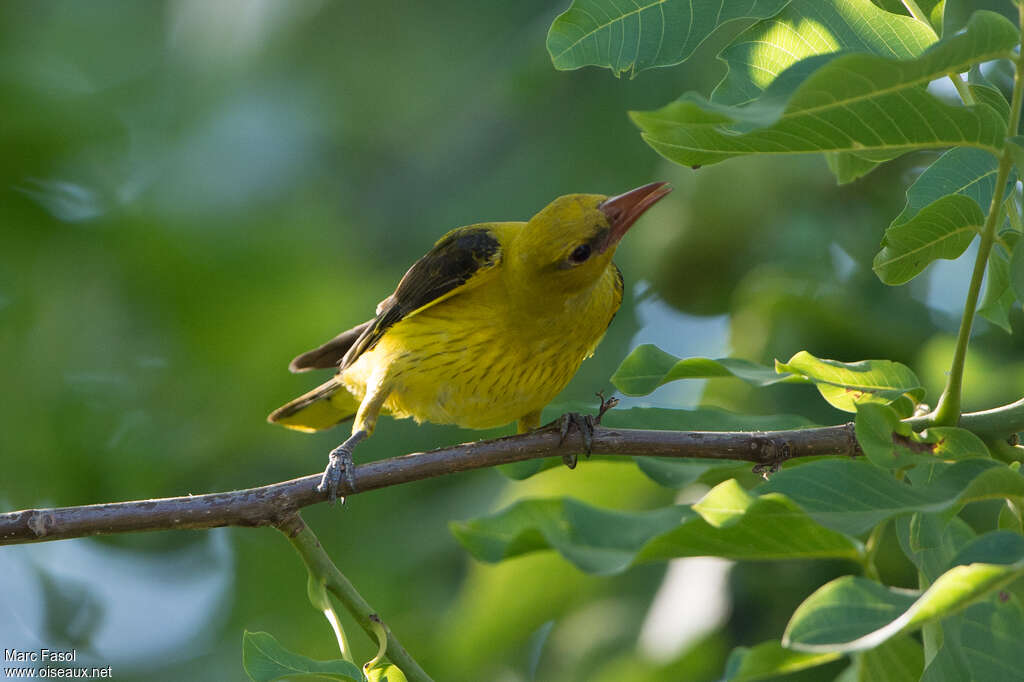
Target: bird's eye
580, 253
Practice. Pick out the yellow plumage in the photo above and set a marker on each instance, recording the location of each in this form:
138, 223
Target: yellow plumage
486, 329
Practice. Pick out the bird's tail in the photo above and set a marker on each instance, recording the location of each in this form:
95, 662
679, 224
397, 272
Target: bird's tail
323, 407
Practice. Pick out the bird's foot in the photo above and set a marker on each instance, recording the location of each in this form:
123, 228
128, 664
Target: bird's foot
585, 425
339, 465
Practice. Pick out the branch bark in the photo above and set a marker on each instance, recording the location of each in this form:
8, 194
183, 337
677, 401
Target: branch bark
273, 504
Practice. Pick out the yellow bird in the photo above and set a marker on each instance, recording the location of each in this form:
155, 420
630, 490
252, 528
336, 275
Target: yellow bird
485, 329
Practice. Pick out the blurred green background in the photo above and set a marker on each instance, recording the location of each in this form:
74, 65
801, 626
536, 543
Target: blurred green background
193, 192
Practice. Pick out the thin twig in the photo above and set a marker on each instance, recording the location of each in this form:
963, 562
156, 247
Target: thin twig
947, 411
319, 564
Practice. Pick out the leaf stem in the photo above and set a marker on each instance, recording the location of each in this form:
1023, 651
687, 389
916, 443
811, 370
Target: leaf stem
947, 411
962, 89
320, 565
916, 11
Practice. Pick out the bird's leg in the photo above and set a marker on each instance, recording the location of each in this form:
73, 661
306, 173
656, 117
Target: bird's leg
585, 425
340, 464
340, 458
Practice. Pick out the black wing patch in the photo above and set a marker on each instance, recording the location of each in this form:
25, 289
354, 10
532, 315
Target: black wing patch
329, 355
449, 265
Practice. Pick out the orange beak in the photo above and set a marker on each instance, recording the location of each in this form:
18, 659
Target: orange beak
623, 210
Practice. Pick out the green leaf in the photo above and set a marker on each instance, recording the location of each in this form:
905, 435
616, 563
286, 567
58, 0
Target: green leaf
900, 659
768, 660
846, 385
264, 659
882, 435
891, 444
678, 472
1015, 145
942, 229
853, 613
931, 541
842, 102
1017, 270
848, 167
961, 170
981, 643
852, 496
995, 547
726, 523
637, 36
386, 673
649, 367
596, 540
992, 96
989, 639
985, 92
1010, 517
812, 27
999, 298
736, 525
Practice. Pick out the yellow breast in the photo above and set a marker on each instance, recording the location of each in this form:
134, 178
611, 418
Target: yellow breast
479, 361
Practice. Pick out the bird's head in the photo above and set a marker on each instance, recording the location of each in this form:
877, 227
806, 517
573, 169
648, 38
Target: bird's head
569, 244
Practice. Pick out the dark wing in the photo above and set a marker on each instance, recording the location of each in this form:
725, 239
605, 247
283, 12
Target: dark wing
458, 260
329, 355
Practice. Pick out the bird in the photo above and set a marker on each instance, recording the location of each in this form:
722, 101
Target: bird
485, 329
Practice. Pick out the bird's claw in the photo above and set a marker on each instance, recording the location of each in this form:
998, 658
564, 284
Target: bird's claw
339, 464
585, 424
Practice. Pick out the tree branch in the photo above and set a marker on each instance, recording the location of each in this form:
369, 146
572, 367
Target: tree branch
272, 504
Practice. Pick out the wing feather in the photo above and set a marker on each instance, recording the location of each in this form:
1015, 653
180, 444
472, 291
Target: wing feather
460, 260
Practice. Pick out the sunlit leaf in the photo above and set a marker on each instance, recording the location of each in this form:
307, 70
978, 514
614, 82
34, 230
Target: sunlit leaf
737, 525
811, 27
386, 673
842, 102
264, 659
768, 660
900, 659
846, 384
884, 438
636, 36
854, 613
649, 367
891, 444
851, 496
